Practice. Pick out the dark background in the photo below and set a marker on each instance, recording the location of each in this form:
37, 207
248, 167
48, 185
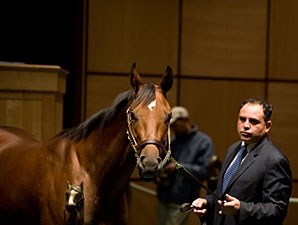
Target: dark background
50, 33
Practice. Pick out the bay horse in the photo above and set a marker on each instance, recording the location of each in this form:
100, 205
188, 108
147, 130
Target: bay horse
93, 162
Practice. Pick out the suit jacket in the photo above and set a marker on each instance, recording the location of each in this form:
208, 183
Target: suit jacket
262, 183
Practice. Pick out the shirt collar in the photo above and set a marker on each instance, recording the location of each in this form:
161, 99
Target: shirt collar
248, 147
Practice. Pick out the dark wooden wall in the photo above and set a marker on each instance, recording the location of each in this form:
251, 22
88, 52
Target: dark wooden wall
221, 53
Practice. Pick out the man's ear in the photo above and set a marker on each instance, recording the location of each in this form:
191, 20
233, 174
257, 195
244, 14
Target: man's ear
268, 125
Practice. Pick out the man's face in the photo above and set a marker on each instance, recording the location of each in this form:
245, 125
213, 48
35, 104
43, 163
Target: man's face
179, 127
251, 125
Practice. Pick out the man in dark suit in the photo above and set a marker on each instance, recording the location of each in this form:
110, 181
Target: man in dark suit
258, 191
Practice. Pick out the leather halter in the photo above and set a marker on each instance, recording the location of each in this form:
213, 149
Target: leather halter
137, 147
76, 207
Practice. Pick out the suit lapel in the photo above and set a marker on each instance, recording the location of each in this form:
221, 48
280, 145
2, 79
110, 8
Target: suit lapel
248, 161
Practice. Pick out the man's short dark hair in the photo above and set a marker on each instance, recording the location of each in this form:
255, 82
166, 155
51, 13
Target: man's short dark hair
267, 108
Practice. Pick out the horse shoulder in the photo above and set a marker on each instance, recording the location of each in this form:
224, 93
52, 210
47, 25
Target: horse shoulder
19, 157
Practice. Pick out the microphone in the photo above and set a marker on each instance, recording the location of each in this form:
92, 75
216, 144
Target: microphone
186, 207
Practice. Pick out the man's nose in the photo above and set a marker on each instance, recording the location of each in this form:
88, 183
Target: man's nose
246, 124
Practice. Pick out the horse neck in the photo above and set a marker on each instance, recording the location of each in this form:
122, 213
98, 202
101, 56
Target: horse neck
106, 151
108, 161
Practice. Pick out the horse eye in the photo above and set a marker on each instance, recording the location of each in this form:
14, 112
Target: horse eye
133, 116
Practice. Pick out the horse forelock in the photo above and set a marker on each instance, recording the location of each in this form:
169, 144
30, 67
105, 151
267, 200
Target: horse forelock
145, 95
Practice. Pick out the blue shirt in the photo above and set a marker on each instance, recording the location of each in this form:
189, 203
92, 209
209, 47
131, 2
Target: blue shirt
194, 152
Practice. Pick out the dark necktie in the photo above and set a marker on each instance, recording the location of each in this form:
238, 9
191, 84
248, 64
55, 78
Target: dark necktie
233, 167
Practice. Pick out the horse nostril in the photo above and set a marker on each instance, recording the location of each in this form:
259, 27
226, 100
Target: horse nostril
149, 165
159, 160
142, 160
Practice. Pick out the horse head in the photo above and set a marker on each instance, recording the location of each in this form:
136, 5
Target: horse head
148, 118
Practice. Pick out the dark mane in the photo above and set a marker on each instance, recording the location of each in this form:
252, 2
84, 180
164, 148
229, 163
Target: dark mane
105, 116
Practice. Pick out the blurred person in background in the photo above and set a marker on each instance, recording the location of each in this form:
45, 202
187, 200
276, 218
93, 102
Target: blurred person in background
213, 172
191, 148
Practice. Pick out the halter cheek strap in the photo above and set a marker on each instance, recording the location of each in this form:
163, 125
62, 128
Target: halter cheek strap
138, 147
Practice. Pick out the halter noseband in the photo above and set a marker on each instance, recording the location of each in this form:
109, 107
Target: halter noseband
137, 147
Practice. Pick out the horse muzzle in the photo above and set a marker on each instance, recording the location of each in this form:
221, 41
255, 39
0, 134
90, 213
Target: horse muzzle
149, 162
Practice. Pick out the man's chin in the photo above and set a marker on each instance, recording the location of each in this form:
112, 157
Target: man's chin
246, 139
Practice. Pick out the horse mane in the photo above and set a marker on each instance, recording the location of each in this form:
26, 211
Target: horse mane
105, 116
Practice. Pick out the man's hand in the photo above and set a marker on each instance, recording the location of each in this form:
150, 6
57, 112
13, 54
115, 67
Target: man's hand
230, 206
170, 168
200, 205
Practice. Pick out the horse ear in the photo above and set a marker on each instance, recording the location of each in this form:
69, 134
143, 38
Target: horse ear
135, 78
167, 80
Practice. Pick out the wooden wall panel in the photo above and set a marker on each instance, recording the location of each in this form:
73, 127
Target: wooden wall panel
224, 38
283, 97
246, 44
122, 32
291, 218
214, 105
31, 97
38, 113
145, 206
283, 40
21, 112
52, 111
102, 90
140, 203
